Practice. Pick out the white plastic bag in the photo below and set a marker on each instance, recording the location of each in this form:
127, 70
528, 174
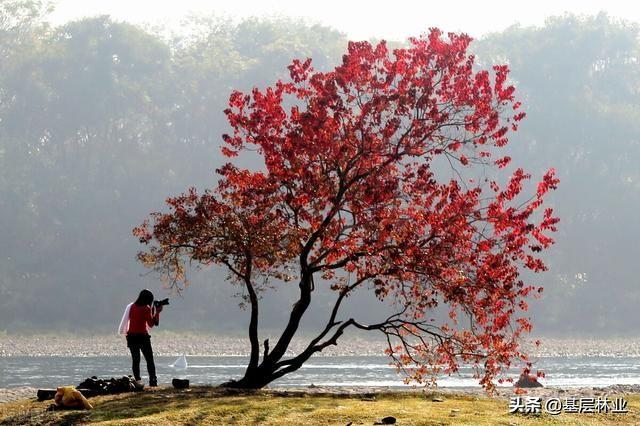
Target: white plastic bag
180, 363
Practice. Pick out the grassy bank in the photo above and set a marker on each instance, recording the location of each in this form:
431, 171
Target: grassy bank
202, 406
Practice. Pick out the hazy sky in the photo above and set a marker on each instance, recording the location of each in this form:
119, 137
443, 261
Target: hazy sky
394, 19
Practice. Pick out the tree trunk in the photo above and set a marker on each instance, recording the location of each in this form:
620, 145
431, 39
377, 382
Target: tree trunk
253, 379
258, 376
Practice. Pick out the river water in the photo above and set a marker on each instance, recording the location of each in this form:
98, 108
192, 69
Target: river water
52, 371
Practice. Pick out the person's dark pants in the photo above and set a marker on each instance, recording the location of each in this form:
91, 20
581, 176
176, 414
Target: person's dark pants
142, 343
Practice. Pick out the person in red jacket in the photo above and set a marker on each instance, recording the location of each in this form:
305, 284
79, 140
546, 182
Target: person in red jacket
142, 316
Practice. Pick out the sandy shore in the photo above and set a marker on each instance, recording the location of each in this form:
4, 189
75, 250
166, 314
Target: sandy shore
164, 344
14, 394
173, 344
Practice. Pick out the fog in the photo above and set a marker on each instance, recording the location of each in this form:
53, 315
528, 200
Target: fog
101, 120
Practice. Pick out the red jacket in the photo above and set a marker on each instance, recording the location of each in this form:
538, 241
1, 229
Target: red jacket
141, 319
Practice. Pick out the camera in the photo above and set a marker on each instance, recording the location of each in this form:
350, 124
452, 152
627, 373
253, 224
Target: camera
162, 302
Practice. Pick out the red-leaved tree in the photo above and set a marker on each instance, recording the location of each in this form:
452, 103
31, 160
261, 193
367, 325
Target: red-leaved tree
366, 185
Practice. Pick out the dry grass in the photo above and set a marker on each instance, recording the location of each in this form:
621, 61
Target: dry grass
211, 406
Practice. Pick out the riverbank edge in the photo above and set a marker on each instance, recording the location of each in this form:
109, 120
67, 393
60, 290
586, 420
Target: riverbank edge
26, 393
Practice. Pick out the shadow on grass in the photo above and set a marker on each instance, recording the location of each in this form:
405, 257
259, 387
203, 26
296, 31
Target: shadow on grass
191, 405
110, 408
231, 406
135, 406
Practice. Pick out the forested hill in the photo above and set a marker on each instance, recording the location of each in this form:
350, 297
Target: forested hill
101, 120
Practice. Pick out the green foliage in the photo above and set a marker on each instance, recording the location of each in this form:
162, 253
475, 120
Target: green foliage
581, 80
99, 120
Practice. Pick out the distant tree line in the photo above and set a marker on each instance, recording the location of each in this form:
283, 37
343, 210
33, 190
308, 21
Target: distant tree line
100, 119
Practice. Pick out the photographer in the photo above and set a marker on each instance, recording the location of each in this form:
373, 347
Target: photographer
138, 318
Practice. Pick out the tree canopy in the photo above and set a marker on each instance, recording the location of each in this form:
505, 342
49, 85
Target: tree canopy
349, 194
90, 142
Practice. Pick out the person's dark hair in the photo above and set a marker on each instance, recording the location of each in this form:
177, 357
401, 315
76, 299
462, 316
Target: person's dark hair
144, 298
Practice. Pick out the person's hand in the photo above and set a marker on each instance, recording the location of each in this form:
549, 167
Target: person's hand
159, 308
